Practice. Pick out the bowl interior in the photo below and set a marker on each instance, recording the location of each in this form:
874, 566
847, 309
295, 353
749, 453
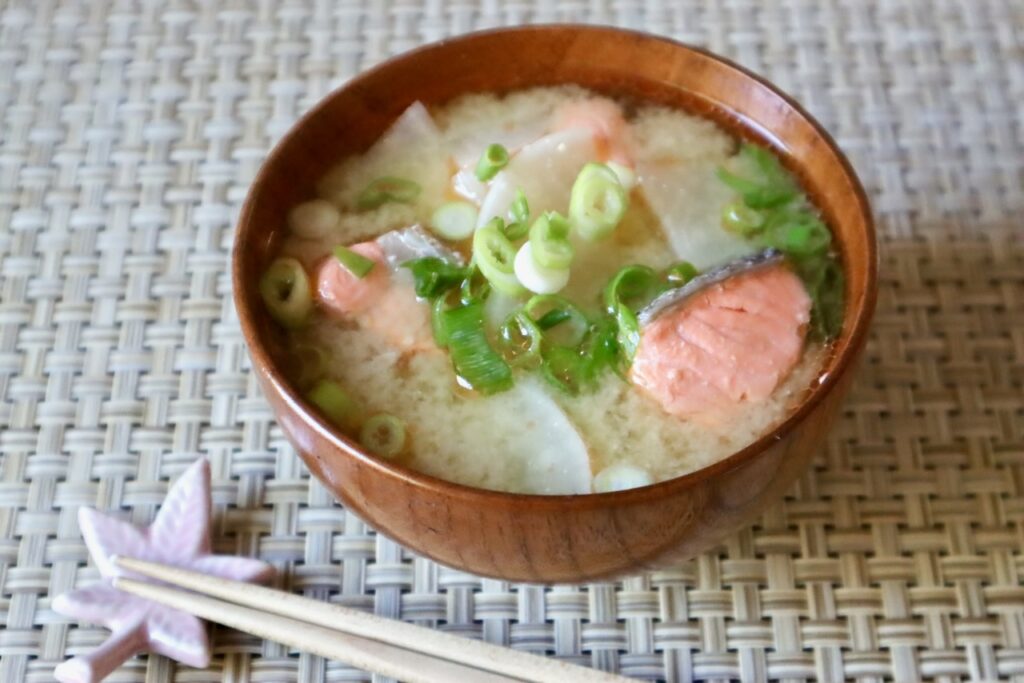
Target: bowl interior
615, 62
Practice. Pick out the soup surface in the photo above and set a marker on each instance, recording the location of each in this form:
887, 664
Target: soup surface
552, 292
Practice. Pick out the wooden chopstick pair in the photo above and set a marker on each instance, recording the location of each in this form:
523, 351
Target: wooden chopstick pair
392, 648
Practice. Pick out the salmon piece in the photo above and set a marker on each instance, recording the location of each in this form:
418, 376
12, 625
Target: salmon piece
383, 301
341, 292
603, 118
731, 342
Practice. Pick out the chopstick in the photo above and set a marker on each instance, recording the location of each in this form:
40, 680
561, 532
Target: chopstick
393, 648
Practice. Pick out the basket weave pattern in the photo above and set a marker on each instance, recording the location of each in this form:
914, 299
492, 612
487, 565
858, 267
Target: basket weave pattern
129, 133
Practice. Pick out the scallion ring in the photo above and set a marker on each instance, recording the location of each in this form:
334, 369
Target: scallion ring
739, 218
454, 220
519, 211
633, 286
383, 435
597, 202
387, 189
285, 290
494, 158
521, 339
476, 364
678, 274
561, 321
495, 256
549, 241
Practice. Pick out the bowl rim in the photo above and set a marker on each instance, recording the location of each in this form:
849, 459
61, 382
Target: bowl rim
845, 354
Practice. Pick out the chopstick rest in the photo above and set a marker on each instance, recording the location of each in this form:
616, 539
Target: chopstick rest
180, 535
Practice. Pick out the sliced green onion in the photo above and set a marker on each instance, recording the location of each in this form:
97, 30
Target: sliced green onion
476, 363
633, 286
519, 211
520, 339
433, 275
739, 218
354, 262
549, 241
494, 158
535, 277
597, 203
284, 288
475, 287
678, 274
454, 220
771, 185
387, 189
516, 231
383, 435
628, 336
440, 305
562, 322
566, 369
335, 403
601, 346
495, 256
797, 233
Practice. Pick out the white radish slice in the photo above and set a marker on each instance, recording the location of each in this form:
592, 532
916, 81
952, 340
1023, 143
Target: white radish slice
454, 220
468, 186
688, 199
621, 476
544, 170
551, 457
535, 277
412, 149
313, 219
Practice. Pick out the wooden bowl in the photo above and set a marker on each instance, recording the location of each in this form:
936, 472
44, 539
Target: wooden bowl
556, 538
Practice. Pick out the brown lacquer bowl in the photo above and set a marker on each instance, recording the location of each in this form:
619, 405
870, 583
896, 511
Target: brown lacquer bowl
556, 538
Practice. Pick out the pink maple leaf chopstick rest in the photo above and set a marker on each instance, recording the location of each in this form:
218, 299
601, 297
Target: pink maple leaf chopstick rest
180, 535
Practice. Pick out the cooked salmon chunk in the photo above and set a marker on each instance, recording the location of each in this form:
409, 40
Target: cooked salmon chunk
732, 342
383, 301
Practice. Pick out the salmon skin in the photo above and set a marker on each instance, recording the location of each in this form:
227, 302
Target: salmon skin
673, 297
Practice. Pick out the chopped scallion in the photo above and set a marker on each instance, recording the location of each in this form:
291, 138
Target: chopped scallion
549, 241
285, 290
519, 211
383, 435
597, 202
678, 274
521, 338
336, 404
495, 256
562, 322
354, 262
476, 363
433, 275
387, 189
454, 220
494, 158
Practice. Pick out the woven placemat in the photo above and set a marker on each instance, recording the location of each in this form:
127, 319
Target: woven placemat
129, 132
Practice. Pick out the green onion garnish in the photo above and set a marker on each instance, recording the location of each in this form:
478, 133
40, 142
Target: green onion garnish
454, 220
433, 275
354, 262
628, 336
494, 158
678, 274
516, 231
769, 184
562, 322
476, 363
495, 256
284, 288
634, 286
549, 241
772, 213
519, 211
383, 435
475, 287
387, 189
335, 403
520, 339
597, 203
739, 218
565, 368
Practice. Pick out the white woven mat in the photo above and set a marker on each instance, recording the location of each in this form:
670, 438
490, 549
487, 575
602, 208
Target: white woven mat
129, 132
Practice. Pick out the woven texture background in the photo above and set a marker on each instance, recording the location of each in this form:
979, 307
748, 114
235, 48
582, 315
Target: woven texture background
129, 132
